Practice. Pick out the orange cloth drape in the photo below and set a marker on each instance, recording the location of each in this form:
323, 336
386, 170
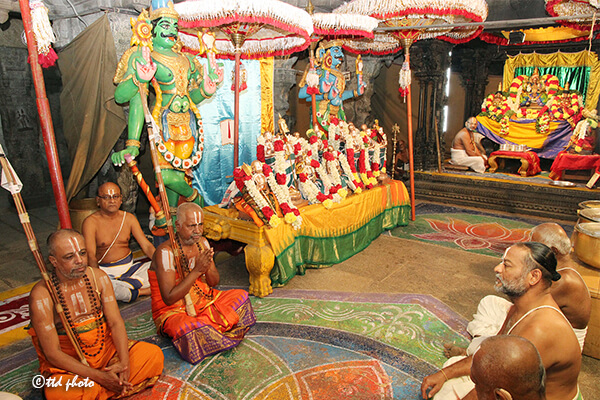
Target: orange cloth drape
145, 363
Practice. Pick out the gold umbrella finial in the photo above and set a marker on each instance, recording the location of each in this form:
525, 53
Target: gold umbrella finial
310, 8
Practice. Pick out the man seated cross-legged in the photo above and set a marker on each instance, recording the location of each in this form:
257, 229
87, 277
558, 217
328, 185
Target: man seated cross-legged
570, 293
222, 317
117, 367
107, 233
525, 275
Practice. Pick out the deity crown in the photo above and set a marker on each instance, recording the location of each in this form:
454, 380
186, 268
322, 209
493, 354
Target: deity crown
160, 10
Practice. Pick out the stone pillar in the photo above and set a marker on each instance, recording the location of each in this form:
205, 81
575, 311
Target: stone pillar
473, 65
430, 59
284, 80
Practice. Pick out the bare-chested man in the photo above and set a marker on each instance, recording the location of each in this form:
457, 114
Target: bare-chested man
116, 366
570, 293
466, 151
507, 368
107, 233
525, 275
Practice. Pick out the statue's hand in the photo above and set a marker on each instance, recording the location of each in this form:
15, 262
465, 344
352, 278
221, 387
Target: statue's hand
361, 88
118, 158
146, 71
335, 101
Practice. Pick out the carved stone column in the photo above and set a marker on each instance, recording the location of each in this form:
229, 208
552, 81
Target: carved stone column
473, 65
430, 60
285, 78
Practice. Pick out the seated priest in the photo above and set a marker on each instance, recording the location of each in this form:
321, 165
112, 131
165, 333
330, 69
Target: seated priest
200, 319
466, 151
107, 233
115, 366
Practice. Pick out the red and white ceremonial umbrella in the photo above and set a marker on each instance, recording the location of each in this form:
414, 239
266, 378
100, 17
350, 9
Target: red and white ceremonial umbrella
409, 20
245, 29
571, 8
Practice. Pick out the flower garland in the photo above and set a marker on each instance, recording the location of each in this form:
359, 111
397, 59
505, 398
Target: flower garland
350, 170
336, 188
244, 180
291, 214
312, 192
490, 110
558, 111
177, 162
171, 158
364, 167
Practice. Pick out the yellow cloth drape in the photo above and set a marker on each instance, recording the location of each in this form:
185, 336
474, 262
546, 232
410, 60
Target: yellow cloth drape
550, 34
583, 58
342, 218
266, 95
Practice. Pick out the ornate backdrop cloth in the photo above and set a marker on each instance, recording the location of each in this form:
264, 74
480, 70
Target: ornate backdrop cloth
92, 121
566, 161
221, 322
334, 235
581, 70
215, 172
523, 132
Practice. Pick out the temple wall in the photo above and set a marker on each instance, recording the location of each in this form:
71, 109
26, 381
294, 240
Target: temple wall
20, 132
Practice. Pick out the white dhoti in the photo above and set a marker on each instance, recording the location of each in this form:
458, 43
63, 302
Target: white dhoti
455, 388
490, 315
460, 157
127, 277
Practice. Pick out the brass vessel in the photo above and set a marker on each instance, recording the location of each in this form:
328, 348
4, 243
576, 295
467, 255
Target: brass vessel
586, 242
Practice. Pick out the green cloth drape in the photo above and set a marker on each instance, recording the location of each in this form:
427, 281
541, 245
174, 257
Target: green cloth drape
578, 77
322, 251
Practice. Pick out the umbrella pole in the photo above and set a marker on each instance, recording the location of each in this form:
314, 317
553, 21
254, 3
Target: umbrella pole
236, 109
45, 115
410, 143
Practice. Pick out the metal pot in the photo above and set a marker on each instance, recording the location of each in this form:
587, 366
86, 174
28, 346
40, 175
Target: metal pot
586, 241
588, 215
589, 204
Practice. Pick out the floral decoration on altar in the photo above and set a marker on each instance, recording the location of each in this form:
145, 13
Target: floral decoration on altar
533, 98
323, 168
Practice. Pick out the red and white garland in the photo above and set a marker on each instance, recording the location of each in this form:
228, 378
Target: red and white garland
330, 159
243, 180
291, 214
278, 184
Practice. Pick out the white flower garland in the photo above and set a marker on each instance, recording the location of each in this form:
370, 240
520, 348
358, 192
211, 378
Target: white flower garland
274, 221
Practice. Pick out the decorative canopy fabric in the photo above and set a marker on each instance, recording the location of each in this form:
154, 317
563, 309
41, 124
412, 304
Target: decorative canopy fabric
565, 60
394, 13
334, 24
269, 27
569, 8
92, 121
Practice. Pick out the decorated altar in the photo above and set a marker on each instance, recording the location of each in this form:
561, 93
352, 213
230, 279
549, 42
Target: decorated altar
545, 96
326, 235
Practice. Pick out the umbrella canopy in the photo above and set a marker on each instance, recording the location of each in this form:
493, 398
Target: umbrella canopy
569, 8
421, 14
255, 29
338, 24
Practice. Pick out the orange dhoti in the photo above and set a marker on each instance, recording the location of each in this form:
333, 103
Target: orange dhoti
222, 319
145, 365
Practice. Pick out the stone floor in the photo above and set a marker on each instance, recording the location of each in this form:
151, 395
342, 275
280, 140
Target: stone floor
388, 265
